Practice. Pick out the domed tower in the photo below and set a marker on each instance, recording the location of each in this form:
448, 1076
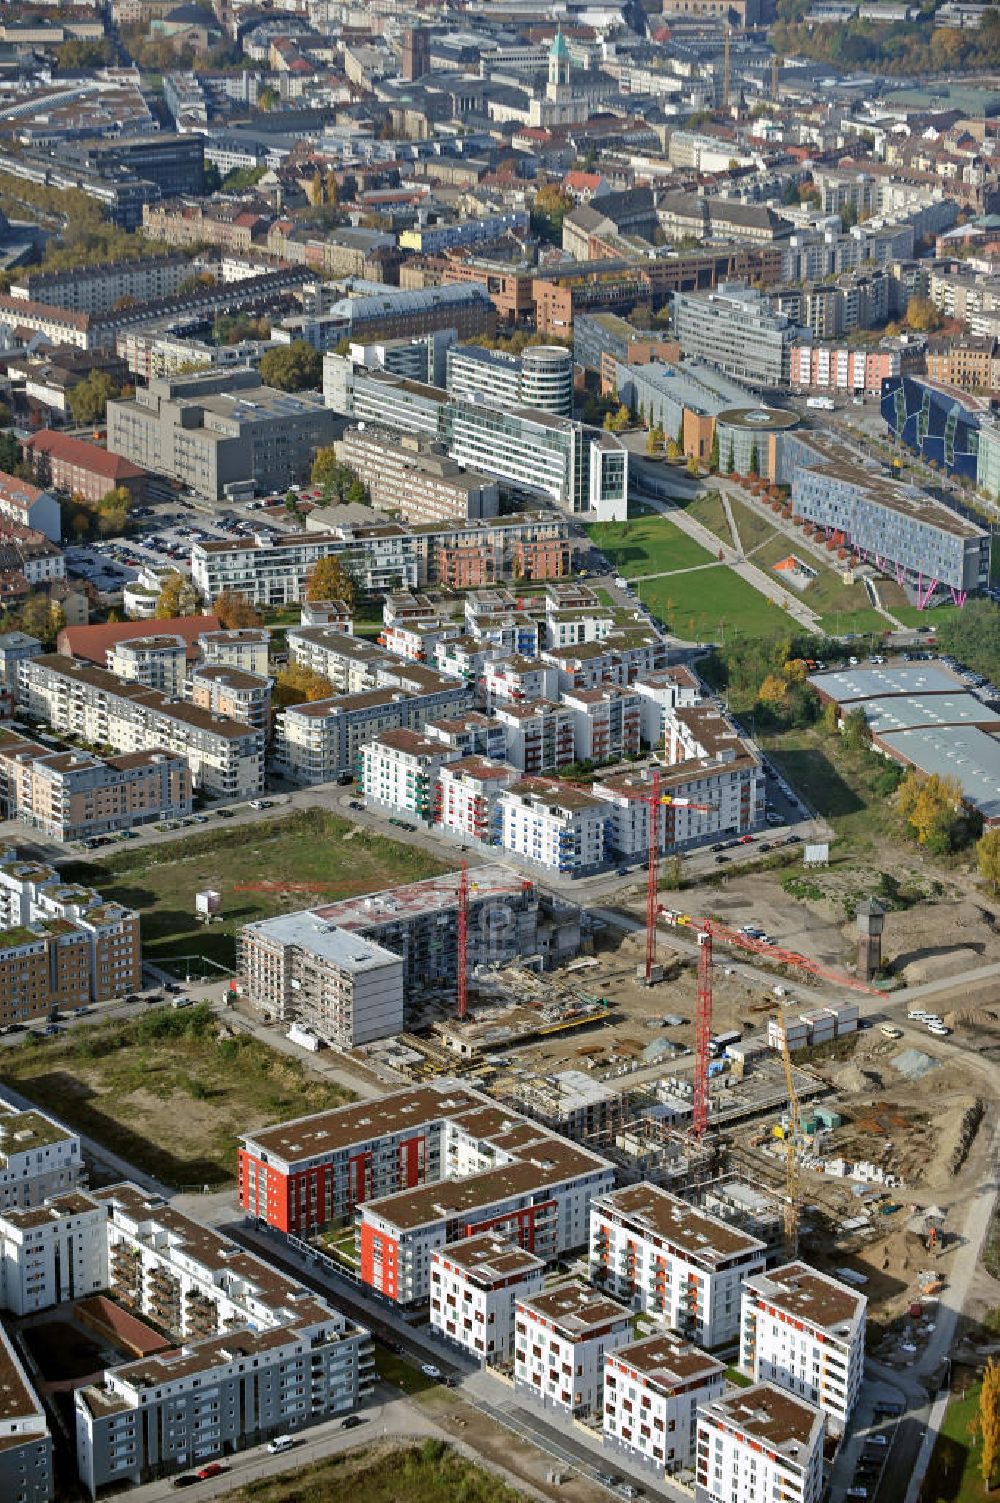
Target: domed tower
559, 67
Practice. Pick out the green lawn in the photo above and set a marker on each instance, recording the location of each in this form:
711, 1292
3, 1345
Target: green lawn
168, 1090
710, 512
843, 786
648, 545
430, 1472
839, 623
953, 1474
755, 528
284, 863
712, 605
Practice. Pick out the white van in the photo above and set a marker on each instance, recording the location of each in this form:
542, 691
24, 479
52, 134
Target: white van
891, 1032
280, 1443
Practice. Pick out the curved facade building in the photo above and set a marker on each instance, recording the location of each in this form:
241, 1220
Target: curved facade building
547, 379
749, 439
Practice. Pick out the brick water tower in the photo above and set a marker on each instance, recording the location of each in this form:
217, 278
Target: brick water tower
871, 919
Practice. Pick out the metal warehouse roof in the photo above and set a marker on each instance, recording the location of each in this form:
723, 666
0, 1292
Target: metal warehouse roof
872, 682
900, 712
963, 752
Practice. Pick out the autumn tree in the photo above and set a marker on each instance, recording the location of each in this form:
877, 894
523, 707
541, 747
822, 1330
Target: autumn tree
856, 731
292, 367
713, 458
655, 439
329, 580
773, 691
42, 618
988, 858
88, 399
548, 211
922, 316
932, 810
235, 611
178, 597
112, 511
296, 685
988, 1422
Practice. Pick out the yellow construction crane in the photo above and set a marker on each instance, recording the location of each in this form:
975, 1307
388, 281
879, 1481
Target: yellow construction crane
791, 1160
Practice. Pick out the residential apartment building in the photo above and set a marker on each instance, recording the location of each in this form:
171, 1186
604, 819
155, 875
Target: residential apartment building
99, 289
847, 368
39, 1159
561, 1342
232, 694
475, 1287
247, 648
971, 363
607, 723
399, 770
30, 506
541, 734
519, 679
299, 968
410, 479
561, 828
805, 1331
157, 662
466, 793
662, 692
75, 795
676, 1263
434, 1164
26, 1454
274, 571
223, 433
225, 757
52, 1252
652, 1390
84, 469
322, 741
736, 329
61, 945
758, 1443
255, 1353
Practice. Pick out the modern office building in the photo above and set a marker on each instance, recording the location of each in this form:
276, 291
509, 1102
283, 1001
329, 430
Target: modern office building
561, 1340
805, 1331
475, 1286
736, 329
749, 439
663, 1256
223, 433
759, 1442
431, 1165
541, 377
652, 1390
225, 757
39, 1158
684, 399
940, 422
74, 795
988, 459
252, 1353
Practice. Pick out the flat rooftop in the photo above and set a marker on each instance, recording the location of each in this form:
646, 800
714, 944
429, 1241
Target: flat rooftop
699, 1237
23, 1132
576, 1310
489, 1259
338, 947
772, 1416
433, 895
812, 1297
846, 685
667, 1362
963, 752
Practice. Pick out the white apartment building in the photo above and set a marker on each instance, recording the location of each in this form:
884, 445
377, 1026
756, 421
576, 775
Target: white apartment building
245, 647
466, 795
464, 656
256, 1353
399, 770
519, 680
322, 740
561, 1340
659, 693
672, 1261
475, 1286
607, 723
26, 1448
757, 1443
555, 826
471, 734
623, 657
157, 662
572, 628
652, 1389
232, 694
39, 1158
275, 571
53, 1252
226, 758
541, 734
417, 640
805, 1331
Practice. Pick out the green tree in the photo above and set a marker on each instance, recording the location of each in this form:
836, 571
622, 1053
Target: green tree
178, 597
754, 461
856, 730
713, 457
112, 512
88, 399
42, 618
988, 858
293, 367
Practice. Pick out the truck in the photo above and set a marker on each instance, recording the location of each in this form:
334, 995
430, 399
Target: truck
824, 404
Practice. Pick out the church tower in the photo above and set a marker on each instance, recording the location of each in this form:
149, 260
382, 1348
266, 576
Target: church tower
559, 67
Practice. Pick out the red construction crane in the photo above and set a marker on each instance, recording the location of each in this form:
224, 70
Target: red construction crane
653, 799
462, 942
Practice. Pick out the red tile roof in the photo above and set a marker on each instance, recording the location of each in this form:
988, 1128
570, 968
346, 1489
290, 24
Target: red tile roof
92, 642
84, 455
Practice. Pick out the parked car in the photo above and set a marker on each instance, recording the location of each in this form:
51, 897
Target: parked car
214, 1469
429, 1370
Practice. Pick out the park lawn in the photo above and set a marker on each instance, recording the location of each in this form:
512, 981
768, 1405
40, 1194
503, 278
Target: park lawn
287, 862
754, 528
650, 545
713, 604
708, 509
168, 1090
428, 1472
953, 1473
861, 623
841, 785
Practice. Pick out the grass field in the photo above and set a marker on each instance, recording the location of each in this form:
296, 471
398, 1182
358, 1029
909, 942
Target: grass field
843, 786
712, 605
427, 1473
648, 545
953, 1475
326, 856
709, 511
168, 1090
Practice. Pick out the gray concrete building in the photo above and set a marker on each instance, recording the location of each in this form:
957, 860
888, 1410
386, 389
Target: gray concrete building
736, 329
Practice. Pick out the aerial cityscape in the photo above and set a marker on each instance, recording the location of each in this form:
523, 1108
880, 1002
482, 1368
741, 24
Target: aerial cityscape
500, 751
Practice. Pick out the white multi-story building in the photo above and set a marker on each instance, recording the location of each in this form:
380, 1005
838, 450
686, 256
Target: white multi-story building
805, 1331
756, 1443
659, 693
258, 1354
466, 795
475, 1286
399, 770
606, 723
558, 827
245, 647
26, 1445
53, 1252
226, 757
652, 1389
673, 1261
517, 680
321, 740
561, 1340
39, 1158
541, 734
157, 662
